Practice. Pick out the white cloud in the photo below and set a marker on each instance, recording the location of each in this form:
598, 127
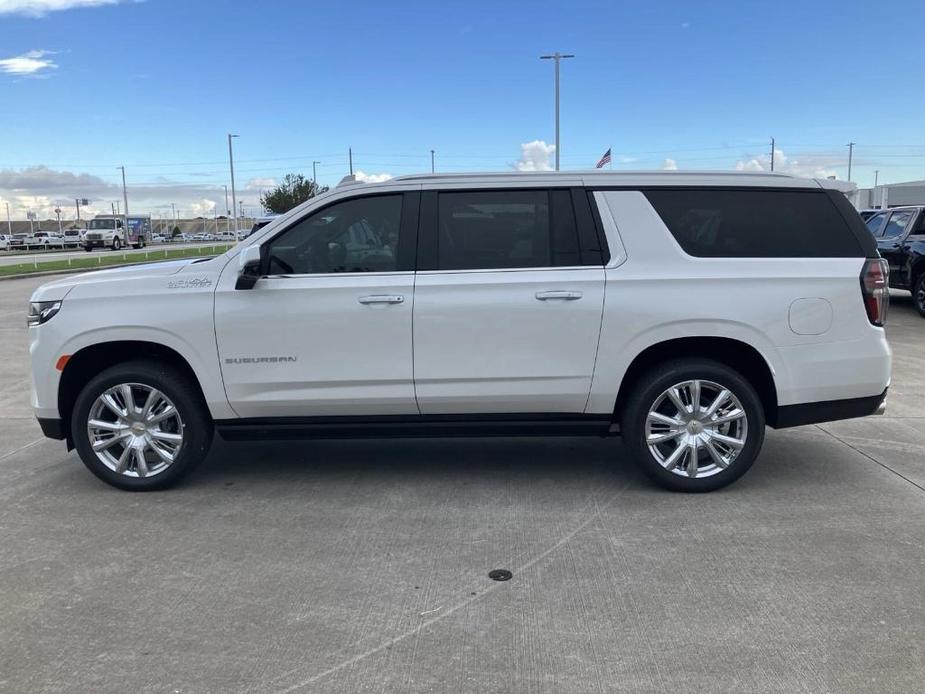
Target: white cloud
258, 183
534, 156
39, 8
623, 159
809, 165
371, 178
28, 64
202, 208
42, 189
669, 165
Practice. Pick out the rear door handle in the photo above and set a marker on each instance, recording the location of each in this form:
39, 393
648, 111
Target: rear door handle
381, 299
562, 296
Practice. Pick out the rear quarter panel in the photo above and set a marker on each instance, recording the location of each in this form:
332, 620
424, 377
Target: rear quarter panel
660, 293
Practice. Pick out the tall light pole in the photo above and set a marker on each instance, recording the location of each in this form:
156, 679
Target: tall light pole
772, 154
876, 176
9, 222
315, 175
558, 57
850, 146
234, 201
432, 165
227, 211
125, 229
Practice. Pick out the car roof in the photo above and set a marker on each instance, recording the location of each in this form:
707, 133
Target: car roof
601, 178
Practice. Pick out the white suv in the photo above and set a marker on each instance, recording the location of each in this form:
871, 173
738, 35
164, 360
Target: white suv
683, 311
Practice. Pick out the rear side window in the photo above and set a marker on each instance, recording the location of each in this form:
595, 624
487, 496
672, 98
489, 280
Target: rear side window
725, 223
485, 230
897, 224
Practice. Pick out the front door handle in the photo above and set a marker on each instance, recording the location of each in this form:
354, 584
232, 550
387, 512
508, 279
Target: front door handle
381, 299
562, 296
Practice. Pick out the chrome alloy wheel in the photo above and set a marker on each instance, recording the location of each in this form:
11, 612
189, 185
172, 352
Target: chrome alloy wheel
696, 428
135, 430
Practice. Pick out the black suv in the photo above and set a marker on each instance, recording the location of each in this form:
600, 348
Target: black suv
900, 235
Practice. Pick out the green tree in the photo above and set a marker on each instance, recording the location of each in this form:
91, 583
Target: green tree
294, 190
175, 232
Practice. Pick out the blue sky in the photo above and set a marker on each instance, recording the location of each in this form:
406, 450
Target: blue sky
156, 85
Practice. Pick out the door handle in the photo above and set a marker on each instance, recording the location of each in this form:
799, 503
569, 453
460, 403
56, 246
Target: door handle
563, 296
382, 299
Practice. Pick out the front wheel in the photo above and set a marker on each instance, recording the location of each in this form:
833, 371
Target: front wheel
141, 426
694, 425
918, 295
116, 243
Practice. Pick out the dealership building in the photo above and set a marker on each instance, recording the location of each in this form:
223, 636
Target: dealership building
891, 195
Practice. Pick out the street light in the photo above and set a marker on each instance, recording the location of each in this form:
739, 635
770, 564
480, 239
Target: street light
558, 57
234, 201
9, 222
125, 230
315, 175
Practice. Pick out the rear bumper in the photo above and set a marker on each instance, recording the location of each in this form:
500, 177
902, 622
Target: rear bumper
52, 428
828, 411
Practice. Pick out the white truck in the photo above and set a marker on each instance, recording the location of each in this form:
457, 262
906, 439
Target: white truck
682, 311
107, 231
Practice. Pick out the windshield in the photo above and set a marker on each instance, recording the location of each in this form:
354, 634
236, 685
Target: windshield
102, 224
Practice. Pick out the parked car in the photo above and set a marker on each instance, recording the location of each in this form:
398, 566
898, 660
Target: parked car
36, 240
157, 238
74, 237
900, 236
683, 311
18, 242
227, 237
54, 240
5, 242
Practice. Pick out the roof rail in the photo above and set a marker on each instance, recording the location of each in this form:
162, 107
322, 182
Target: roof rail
349, 180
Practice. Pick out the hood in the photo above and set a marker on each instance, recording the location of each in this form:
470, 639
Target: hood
58, 289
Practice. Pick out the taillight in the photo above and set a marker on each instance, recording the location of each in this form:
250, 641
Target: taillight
875, 290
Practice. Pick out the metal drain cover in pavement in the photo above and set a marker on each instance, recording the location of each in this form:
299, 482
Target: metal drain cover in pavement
500, 575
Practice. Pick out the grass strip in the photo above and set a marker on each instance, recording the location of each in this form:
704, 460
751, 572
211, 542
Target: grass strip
95, 261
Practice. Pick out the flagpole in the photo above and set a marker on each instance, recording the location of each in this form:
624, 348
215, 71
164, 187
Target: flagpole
610, 149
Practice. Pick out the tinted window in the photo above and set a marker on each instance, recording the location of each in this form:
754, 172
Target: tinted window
897, 224
755, 223
357, 235
920, 226
876, 222
479, 230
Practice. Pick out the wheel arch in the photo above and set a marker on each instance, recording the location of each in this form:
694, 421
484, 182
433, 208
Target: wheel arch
736, 354
86, 363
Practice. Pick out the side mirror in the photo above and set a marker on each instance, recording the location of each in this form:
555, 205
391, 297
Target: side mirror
248, 268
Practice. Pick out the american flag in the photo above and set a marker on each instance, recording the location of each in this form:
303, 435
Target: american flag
604, 160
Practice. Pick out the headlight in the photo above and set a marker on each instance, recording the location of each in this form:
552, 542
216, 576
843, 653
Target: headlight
42, 312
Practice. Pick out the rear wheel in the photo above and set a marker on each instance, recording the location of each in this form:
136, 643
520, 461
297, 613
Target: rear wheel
918, 295
694, 425
141, 426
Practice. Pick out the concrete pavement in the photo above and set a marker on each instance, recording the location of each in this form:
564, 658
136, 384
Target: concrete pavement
361, 566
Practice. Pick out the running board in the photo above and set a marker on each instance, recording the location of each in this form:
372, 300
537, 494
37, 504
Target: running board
413, 426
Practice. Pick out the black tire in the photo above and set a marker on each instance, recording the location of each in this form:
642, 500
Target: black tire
116, 243
657, 381
918, 295
88, 248
185, 396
